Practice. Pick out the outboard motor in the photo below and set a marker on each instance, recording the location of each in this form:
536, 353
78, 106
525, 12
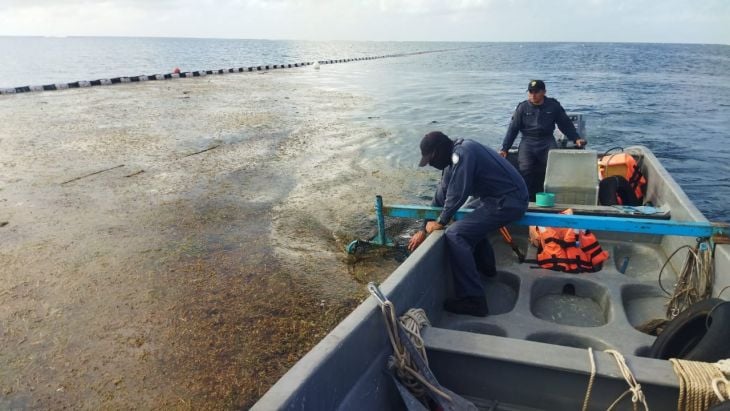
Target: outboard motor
580, 127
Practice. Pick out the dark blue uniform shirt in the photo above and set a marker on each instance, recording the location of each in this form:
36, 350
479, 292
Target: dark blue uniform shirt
539, 122
477, 171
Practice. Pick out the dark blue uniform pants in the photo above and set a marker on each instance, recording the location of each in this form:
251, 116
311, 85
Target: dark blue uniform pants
466, 237
532, 160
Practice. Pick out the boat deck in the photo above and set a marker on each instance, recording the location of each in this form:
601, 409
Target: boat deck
495, 356
599, 310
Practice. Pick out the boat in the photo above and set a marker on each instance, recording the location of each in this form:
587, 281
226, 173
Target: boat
535, 350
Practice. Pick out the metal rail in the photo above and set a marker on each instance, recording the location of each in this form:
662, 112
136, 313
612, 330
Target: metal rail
716, 232
601, 223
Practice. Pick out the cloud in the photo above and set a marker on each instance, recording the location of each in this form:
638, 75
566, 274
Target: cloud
68, 19
21, 4
387, 6
477, 20
431, 6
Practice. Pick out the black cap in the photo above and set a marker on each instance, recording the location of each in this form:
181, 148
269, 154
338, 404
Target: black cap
536, 85
430, 144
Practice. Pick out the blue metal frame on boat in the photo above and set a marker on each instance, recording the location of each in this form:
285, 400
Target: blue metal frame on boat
381, 238
600, 223
613, 223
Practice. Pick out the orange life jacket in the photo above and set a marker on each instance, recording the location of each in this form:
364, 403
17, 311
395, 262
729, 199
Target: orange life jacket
594, 254
559, 251
624, 165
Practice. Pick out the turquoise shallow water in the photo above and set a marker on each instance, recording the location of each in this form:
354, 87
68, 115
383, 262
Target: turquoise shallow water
675, 99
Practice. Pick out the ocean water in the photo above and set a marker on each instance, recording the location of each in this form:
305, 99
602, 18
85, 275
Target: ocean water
45, 60
674, 99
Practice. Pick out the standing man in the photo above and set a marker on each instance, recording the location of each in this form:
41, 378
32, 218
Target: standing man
536, 118
470, 169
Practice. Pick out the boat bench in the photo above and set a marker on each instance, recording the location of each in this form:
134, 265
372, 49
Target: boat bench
550, 377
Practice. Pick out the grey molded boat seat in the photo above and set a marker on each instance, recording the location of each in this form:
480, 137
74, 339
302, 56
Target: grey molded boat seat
600, 310
572, 175
521, 372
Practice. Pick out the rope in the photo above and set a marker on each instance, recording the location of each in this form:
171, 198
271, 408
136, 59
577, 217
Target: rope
412, 321
666, 262
401, 360
611, 149
634, 387
722, 291
694, 284
724, 366
587, 398
699, 384
695, 280
716, 388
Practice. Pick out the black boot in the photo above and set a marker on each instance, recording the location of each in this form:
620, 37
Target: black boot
484, 258
476, 306
488, 272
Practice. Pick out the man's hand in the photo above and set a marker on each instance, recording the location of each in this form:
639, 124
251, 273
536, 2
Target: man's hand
503, 153
581, 142
432, 226
416, 240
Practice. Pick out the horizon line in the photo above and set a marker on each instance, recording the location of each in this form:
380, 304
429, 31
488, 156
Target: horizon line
361, 41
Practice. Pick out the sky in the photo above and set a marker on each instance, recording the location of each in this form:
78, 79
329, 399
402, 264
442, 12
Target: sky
651, 21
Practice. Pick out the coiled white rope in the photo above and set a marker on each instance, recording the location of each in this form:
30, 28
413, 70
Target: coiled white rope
401, 360
412, 321
699, 384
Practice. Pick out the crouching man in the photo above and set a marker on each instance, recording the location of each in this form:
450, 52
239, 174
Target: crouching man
470, 169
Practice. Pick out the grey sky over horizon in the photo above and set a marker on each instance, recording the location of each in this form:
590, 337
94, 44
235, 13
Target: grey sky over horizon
668, 21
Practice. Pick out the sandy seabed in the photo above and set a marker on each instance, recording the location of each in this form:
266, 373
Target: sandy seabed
178, 278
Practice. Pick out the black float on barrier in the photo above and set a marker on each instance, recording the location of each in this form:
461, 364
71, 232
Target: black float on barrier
168, 76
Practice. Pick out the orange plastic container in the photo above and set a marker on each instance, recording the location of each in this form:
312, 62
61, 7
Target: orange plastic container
613, 165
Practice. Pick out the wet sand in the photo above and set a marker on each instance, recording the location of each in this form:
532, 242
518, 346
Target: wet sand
179, 280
